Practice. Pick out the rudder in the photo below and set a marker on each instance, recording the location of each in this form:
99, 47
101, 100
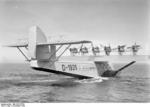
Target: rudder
37, 52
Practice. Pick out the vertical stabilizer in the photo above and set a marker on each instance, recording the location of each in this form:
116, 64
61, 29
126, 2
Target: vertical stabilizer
37, 52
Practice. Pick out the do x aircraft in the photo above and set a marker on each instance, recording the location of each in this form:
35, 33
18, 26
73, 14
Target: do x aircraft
42, 56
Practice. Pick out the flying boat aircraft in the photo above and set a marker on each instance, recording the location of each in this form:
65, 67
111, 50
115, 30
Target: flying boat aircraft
42, 57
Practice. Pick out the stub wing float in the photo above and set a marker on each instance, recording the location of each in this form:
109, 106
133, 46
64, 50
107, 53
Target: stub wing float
42, 56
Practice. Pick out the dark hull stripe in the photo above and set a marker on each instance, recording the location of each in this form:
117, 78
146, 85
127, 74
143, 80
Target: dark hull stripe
62, 73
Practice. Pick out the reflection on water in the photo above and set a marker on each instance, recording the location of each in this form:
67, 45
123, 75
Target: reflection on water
18, 83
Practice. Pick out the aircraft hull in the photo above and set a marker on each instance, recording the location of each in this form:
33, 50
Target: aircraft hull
78, 69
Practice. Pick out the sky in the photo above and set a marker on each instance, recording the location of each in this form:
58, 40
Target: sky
102, 21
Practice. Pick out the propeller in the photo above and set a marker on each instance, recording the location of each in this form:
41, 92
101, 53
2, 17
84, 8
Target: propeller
120, 49
134, 48
96, 49
84, 50
107, 49
74, 50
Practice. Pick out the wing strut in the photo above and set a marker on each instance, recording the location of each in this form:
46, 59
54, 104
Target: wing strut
55, 51
23, 54
81, 47
63, 52
60, 54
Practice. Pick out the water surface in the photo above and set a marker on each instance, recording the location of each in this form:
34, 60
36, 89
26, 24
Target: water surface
19, 83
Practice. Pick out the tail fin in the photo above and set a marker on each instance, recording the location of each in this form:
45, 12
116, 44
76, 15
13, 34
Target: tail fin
37, 52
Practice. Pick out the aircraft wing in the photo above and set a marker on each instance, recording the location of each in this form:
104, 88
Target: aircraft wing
19, 44
25, 44
64, 42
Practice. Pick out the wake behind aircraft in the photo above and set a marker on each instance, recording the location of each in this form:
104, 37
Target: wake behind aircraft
42, 56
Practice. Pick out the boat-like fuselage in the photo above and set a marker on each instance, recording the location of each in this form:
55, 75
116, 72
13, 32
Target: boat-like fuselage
43, 56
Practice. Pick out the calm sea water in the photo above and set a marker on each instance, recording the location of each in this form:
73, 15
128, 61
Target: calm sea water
19, 83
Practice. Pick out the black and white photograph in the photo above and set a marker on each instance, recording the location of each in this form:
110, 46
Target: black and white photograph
74, 51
